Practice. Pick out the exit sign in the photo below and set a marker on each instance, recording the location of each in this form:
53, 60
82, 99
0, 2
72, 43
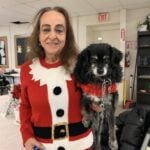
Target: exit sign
103, 17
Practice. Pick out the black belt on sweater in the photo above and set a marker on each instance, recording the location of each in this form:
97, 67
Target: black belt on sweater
61, 130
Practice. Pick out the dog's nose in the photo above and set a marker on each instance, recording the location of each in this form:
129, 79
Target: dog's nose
100, 71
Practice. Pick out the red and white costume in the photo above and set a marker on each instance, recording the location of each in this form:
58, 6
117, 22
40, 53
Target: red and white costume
50, 105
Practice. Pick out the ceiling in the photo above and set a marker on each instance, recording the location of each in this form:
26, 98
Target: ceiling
24, 10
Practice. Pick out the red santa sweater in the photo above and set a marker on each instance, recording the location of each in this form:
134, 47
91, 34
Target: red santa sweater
50, 107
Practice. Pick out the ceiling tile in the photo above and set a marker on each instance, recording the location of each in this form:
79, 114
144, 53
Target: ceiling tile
11, 10
131, 4
105, 5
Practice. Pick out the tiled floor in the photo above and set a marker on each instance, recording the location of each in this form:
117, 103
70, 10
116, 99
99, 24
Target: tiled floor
10, 138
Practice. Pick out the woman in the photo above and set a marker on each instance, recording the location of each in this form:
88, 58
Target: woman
50, 111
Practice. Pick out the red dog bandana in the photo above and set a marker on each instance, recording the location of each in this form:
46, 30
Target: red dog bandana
96, 90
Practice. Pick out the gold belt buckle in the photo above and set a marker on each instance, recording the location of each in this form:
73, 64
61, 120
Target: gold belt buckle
63, 130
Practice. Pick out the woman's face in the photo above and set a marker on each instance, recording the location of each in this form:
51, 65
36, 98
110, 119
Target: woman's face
52, 34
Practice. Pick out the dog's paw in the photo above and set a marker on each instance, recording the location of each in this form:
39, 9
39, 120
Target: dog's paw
113, 145
86, 123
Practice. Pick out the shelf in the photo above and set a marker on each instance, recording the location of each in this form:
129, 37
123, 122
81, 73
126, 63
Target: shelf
142, 66
144, 33
143, 93
144, 76
144, 46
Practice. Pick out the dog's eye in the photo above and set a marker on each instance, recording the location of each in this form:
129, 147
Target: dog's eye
94, 59
106, 59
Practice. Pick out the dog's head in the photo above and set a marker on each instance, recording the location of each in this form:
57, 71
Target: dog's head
98, 62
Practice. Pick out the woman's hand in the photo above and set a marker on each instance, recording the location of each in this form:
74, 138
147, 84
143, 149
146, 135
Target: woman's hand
31, 142
96, 107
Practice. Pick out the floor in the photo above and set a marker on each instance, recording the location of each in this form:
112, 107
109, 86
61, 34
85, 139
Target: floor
10, 138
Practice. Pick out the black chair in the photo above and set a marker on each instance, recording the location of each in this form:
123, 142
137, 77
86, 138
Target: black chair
4, 85
146, 141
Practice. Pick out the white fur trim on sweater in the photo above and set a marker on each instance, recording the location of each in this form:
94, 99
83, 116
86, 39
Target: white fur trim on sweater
46, 75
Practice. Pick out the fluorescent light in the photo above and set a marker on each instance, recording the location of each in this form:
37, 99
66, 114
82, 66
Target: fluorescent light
99, 38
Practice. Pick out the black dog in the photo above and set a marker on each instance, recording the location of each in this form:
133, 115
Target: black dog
97, 71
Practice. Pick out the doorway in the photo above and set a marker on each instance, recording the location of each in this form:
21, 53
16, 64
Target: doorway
108, 33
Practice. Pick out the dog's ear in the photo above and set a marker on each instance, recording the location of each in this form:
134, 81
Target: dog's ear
116, 58
81, 67
116, 55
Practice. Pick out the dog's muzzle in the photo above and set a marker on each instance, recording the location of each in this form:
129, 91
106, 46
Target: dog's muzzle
99, 71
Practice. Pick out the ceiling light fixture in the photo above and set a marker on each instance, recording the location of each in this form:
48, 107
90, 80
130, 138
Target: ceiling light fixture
19, 22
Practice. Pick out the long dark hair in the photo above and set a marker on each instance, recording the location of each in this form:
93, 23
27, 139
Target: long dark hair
70, 50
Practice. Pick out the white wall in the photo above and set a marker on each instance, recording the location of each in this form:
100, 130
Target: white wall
127, 19
85, 22
10, 32
5, 31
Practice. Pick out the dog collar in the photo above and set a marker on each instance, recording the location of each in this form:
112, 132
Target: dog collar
96, 90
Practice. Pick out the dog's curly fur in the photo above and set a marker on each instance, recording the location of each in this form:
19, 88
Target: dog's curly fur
99, 64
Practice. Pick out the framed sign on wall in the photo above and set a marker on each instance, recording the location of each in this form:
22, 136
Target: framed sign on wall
3, 52
21, 48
